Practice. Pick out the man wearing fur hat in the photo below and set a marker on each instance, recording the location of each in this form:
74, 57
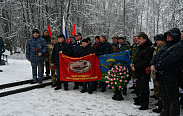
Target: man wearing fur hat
84, 50
35, 53
167, 64
47, 38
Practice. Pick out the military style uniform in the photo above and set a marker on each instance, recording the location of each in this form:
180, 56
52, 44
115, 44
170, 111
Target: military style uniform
53, 77
153, 76
116, 48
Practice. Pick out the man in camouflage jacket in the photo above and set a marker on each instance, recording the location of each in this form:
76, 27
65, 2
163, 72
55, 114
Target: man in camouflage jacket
120, 46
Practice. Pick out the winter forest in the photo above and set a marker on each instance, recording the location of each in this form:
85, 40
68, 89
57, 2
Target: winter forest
92, 17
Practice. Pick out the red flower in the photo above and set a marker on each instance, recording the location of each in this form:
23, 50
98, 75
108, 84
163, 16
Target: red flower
35, 49
115, 49
148, 70
52, 67
95, 45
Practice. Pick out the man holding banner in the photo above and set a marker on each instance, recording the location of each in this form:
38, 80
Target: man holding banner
75, 45
60, 46
102, 48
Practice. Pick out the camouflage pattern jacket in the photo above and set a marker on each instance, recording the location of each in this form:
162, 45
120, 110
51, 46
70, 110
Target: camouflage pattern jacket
133, 50
156, 49
50, 49
115, 48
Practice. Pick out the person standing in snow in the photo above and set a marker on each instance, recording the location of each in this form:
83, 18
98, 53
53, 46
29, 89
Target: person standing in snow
102, 48
140, 63
160, 41
84, 50
75, 45
2, 49
52, 68
167, 64
47, 38
60, 46
35, 53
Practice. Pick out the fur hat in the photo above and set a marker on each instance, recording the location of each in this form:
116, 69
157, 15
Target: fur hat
61, 35
159, 37
85, 40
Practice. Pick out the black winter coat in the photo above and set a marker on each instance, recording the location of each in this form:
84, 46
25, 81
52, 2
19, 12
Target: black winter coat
47, 38
64, 47
85, 51
75, 46
143, 58
168, 62
103, 48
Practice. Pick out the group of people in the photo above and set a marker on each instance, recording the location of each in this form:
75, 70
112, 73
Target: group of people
163, 63
162, 59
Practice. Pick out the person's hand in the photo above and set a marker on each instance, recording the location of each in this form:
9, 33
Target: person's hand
133, 69
153, 68
131, 65
39, 54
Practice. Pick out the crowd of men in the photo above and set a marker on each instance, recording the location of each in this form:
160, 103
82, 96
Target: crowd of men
163, 58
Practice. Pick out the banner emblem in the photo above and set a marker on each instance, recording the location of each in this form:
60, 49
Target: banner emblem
80, 66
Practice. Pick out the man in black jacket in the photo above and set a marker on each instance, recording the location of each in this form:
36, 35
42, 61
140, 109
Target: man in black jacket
141, 62
86, 49
60, 46
102, 48
167, 64
75, 45
47, 38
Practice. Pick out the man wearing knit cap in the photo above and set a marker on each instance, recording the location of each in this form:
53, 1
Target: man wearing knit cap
167, 64
102, 48
35, 53
160, 41
47, 38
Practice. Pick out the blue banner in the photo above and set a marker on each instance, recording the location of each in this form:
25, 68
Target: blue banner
120, 59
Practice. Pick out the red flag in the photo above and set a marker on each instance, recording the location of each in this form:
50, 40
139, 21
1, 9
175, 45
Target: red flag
74, 30
79, 69
49, 30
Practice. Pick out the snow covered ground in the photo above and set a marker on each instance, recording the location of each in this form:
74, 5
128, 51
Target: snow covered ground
48, 102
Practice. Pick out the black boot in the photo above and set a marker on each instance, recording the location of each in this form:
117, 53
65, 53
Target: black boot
159, 109
117, 95
82, 91
143, 107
